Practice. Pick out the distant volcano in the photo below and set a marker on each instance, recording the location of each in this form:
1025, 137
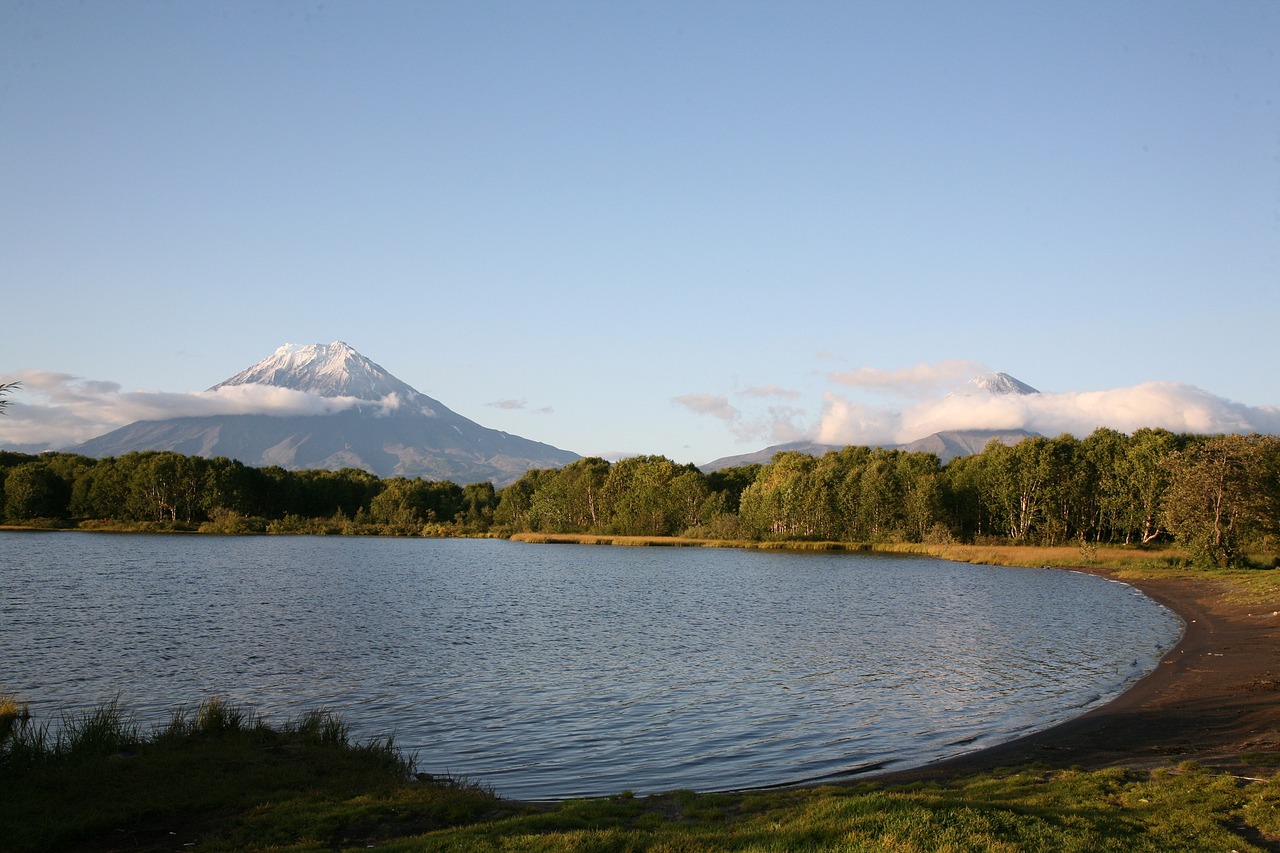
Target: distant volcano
383, 425
946, 445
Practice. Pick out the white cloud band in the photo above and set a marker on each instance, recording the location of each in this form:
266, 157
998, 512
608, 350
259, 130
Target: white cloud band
58, 410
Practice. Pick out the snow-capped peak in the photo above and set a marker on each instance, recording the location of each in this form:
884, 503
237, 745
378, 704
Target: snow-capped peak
1001, 383
329, 370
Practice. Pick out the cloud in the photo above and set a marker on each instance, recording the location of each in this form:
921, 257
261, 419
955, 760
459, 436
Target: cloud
889, 407
715, 405
772, 391
1174, 406
776, 424
910, 381
58, 410
520, 404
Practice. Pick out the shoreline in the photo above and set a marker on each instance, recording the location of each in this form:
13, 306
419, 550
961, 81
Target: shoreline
1214, 699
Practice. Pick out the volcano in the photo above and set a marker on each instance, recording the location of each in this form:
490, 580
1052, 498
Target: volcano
369, 419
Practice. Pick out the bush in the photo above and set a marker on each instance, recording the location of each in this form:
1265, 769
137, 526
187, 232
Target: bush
222, 520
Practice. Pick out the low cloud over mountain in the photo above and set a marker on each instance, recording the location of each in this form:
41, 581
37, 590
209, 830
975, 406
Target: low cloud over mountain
57, 410
1172, 405
304, 406
895, 407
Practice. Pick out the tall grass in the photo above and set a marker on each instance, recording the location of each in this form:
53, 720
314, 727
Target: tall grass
105, 730
219, 772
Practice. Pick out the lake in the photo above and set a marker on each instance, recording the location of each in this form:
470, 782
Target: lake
549, 671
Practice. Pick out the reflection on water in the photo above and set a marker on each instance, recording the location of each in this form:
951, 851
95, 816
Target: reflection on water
552, 671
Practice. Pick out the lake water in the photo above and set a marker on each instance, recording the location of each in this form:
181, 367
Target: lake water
551, 671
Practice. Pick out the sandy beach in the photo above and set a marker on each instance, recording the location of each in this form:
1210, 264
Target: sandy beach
1214, 699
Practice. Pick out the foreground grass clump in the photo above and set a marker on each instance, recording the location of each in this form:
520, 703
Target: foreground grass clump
216, 779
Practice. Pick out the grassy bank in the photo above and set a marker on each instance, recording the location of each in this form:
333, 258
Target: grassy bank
221, 779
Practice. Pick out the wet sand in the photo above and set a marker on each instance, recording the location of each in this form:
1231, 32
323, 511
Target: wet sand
1214, 699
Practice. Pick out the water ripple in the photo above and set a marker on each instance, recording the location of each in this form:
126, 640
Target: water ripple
551, 671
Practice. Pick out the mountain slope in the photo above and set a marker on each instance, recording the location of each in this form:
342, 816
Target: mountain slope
389, 428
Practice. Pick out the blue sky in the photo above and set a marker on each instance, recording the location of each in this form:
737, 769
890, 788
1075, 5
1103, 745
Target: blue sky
689, 228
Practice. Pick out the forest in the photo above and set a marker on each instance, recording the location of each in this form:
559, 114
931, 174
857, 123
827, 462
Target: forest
1218, 497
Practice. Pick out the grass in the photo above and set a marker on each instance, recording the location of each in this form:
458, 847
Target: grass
1183, 809
221, 779
217, 779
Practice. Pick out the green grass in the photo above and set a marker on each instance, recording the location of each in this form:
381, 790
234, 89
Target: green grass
1184, 809
218, 779
221, 779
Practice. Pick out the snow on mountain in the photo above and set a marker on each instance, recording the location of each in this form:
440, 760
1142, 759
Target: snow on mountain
407, 434
330, 370
998, 383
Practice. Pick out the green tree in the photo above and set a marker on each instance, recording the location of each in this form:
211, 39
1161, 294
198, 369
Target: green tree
791, 498
394, 505
479, 500
410, 503
166, 486
1145, 474
572, 499
103, 490
965, 504
921, 477
228, 486
32, 490
1103, 503
881, 496
516, 511
839, 476
1221, 492
732, 482
1068, 491
653, 496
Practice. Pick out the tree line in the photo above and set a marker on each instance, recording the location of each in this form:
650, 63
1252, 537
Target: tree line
1217, 496
163, 489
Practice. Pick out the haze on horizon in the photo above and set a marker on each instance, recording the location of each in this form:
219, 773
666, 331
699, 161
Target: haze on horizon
688, 229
